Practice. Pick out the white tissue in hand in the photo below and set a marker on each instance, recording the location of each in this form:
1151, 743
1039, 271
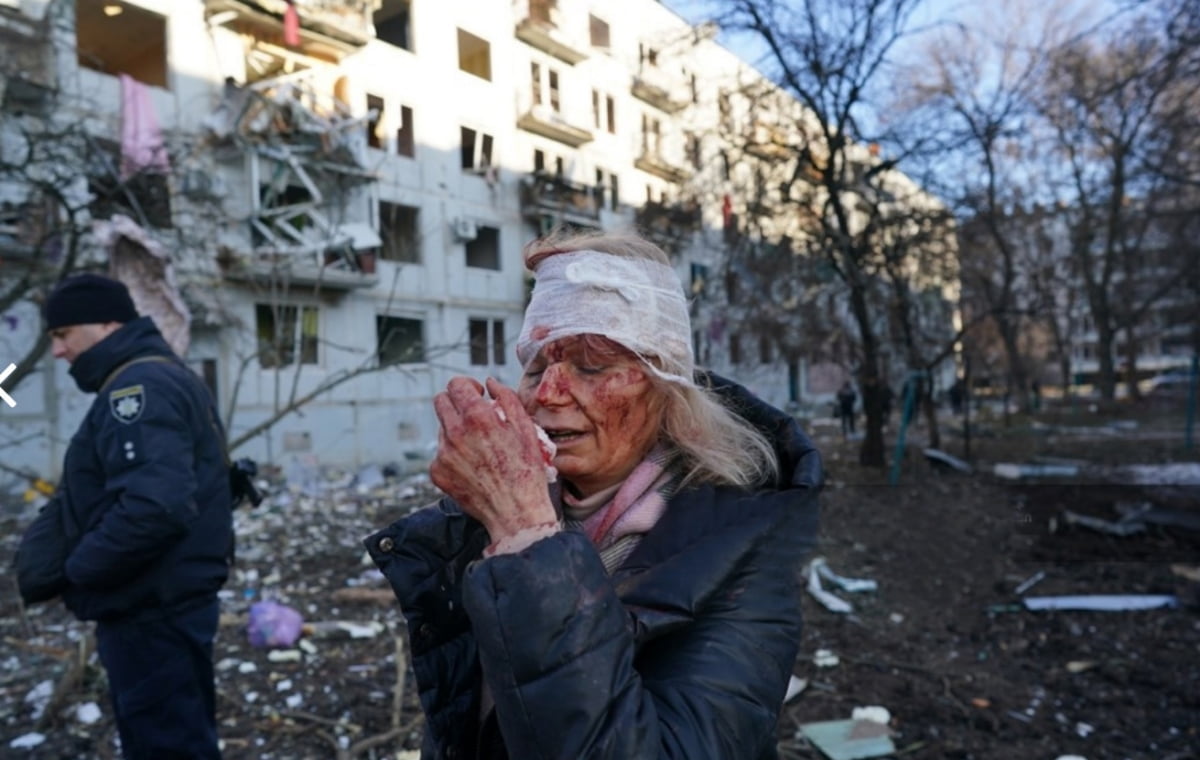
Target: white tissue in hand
547, 446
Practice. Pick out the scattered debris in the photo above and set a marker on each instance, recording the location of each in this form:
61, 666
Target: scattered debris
942, 459
1120, 528
794, 687
1080, 666
1030, 582
1011, 471
1101, 602
862, 736
27, 741
825, 658
273, 625
87, 713
817, 569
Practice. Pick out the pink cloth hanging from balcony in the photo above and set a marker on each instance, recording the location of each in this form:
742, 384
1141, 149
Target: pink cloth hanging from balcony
291, 25
142, 146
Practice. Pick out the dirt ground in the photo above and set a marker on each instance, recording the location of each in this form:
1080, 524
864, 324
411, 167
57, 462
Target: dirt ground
943, 643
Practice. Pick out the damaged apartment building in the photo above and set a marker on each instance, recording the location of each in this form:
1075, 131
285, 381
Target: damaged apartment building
324, 202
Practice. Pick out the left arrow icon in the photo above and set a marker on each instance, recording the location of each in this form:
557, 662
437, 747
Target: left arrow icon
4, 394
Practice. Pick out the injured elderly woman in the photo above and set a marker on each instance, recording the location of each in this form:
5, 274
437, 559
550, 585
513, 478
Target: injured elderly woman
643, 603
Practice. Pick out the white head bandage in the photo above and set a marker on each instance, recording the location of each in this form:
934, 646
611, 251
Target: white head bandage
635, 302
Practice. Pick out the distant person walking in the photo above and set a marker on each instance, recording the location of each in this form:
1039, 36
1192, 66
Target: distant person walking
846, 397
956, 397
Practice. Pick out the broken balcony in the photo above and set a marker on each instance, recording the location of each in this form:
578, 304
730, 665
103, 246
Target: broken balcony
653, 86
541, 29
654, 163
545, 121
544, 195
669, 225
328, 28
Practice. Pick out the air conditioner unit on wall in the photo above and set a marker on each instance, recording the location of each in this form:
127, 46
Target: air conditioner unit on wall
464, 230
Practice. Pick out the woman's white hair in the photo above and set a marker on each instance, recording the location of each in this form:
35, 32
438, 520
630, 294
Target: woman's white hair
711, 443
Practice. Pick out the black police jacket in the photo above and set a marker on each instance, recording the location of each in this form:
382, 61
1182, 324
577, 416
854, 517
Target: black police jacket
145, 484
684, 652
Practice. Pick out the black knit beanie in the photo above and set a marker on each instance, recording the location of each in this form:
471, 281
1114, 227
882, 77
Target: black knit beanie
85, 299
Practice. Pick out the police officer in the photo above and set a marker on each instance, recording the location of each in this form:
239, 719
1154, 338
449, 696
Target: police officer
143, 519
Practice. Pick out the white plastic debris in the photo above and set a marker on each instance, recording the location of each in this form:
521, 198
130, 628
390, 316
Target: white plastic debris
87, 713
1010, 471
249, 667
284, 685
825, 658
27, 741
818, 568
284, 655
794, 687
39, 697
873, 713
294, 700
1101, 602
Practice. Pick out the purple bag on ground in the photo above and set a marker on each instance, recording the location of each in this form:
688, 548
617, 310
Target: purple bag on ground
273, 625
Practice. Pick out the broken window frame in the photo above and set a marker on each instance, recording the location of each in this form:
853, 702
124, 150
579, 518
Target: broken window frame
476, 150
287, 333
400, 232
399, 340
484, 251
395, 28
127, 45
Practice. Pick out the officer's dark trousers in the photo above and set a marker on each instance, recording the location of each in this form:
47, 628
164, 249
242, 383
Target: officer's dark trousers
160, 676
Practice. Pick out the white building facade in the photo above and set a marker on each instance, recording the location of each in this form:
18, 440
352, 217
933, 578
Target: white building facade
357, 191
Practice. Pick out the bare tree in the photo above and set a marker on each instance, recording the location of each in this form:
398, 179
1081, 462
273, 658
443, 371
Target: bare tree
1117, 103
830, 57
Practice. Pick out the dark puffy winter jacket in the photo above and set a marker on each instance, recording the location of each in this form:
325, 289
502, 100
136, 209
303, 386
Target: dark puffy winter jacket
683, 653
145, 484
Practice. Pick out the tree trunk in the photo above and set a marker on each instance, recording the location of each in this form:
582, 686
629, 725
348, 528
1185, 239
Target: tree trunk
871, 453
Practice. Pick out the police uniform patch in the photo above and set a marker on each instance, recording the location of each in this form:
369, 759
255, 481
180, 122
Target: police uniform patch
127, 403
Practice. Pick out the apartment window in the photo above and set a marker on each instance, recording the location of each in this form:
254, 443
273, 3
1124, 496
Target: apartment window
405, 142
600, 190
393, 23
130, 41
733, 289
596, 108
599, 32
399, 340
554, 101
543, 11
476, 149
535, 75
539, 161
560, 167
399, 231
484, 251
612, 114
764, 349
474, 55
286, 334
647, 56
375, 134
694, 150
651, 135
143, 195
735, 348
614, 192
725, 106
487, 339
